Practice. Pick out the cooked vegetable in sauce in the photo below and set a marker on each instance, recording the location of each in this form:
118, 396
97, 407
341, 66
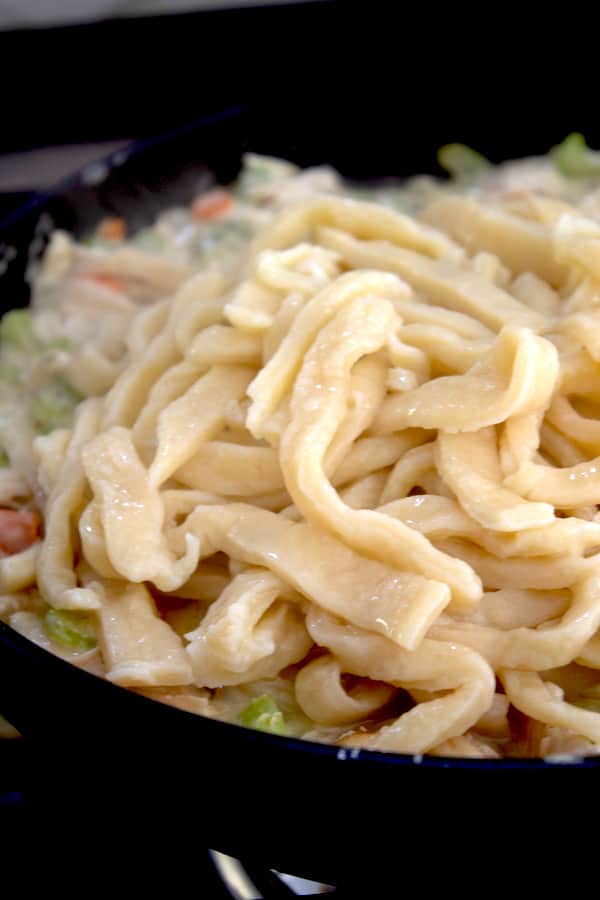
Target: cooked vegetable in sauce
322, 459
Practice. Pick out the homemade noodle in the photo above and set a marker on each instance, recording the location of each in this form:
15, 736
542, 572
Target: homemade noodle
333, 471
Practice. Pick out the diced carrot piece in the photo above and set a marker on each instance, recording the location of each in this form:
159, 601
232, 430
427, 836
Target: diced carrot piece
113, 229
211, 205
19, 529
109, 281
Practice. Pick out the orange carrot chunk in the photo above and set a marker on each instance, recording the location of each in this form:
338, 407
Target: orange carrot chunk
109, 281
19, 529
113, 229
211, 205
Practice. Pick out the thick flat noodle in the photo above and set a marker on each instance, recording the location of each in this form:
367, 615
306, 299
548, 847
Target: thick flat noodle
91, 372
162, 276
138, 647
442, 517
401, 605
49, 450
198, 303
174, 382
469, 464
590, 654
350, 464
433, 666
577, 243
253, 307
276, 378
523, 245
573, 486
368, 454
581, 429
321, 694
541, 573
132, 514
416, 312
544, 209
364, 493
318, 405
149, 323
365, 220
93, 542
207, 583
224, 345
579, 374
519, 440
282, 322
288, 636
402, 379
537, 699
415, 468
126, 398
232, 470
56, 577
18, 571
250, 632
585, 329
305, 268
536, 293
516, 608
215, 345
449, 351
441, 280
535, 649
366, 392
490, 266
517, 376
557, 448
197, 416
412, 360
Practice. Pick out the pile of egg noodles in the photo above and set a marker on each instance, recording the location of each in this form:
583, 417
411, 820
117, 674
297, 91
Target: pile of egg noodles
322, 461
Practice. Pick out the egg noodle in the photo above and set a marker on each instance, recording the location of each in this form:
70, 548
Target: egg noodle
337, 476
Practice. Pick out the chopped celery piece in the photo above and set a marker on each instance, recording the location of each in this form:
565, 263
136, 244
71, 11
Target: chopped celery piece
573, 157
232, 229
250, 179
358, 192
591, 703
16, 330
149, 240
70, 629
4, 460
461, 161
263, 714
259, 170
9, 372
221, 236
60, 343
53, 406
254, 172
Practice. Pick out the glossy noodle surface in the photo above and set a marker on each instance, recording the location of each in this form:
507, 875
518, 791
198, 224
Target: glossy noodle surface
322, 461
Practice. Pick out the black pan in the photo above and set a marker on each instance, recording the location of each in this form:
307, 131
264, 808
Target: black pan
130, 768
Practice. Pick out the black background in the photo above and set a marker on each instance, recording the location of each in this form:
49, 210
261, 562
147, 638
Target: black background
397, 79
